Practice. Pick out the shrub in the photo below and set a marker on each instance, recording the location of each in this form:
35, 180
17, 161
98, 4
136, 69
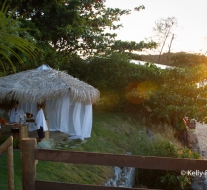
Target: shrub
158, 146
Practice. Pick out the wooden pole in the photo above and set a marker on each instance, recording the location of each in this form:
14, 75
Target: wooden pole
169, 48
10, 161
47, 135
28, 163
23, 133
8, 145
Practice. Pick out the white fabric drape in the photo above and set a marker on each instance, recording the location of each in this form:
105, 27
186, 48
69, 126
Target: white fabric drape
69, 117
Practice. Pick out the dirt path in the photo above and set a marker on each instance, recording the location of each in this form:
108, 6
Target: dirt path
58, 140
57, 136
201, 132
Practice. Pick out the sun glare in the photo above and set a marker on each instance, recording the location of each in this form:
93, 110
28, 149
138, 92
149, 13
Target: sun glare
137, 92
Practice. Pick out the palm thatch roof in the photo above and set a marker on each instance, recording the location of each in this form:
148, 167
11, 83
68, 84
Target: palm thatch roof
40, 85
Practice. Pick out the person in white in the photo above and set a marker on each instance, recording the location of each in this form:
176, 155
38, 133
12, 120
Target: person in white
40, 122
15, 115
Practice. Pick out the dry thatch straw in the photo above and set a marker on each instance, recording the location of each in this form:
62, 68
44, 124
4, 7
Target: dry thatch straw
40, 85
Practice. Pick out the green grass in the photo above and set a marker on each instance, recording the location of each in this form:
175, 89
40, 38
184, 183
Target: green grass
115, 133
109, 135
17, 171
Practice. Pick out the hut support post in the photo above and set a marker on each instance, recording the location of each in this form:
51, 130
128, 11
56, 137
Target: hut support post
28, 163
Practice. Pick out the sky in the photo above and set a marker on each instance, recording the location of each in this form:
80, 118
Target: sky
191, 30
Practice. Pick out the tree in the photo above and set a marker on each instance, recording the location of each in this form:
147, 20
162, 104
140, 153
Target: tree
10, 40
169, 49
75, 26
183, 59
158, 95
163, 29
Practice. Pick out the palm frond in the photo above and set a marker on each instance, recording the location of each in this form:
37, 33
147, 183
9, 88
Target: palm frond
9, 39
4, 70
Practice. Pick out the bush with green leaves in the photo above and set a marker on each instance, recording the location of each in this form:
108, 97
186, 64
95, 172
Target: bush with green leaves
155, 146
163, 94
15, 41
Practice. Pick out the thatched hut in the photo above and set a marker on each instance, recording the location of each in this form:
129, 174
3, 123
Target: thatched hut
68, 100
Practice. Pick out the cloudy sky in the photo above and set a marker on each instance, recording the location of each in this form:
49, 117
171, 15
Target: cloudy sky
191, 30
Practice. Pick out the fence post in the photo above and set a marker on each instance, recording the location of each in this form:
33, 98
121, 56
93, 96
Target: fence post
10, 166
23, 133
28, 163
8, 145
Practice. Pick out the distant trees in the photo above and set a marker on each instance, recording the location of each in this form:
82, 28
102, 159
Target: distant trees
177, 59
163, 30
183, 59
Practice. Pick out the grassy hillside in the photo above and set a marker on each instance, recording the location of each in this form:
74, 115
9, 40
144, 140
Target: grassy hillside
116, 133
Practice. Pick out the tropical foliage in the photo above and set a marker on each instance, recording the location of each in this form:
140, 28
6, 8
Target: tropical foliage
147, 90
66, 27
12, 42
79, 27
74, 25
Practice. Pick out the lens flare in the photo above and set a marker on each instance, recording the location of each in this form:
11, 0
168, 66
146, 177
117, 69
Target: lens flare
109, 99
137, 92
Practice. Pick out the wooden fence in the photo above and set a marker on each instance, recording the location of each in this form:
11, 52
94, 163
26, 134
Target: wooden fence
8, 145
30, 154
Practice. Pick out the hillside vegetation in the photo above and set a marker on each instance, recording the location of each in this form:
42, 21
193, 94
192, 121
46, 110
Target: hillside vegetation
164, 95
178, 59
156, 97
115, 133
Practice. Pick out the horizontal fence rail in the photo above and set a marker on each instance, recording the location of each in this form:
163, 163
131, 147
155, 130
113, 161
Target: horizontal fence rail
6, 144
145, 162
30, 154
